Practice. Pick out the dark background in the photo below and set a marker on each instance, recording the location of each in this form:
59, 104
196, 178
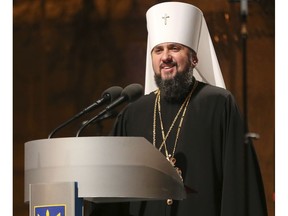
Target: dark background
66, 53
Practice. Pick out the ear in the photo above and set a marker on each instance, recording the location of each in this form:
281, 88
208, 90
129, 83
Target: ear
194, 60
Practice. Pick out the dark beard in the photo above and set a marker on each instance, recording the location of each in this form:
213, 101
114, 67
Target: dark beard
177, 88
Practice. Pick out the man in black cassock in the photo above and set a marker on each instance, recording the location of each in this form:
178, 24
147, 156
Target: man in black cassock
211, 153
196, 125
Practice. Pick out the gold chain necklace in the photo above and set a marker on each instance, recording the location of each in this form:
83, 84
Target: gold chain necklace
170, 157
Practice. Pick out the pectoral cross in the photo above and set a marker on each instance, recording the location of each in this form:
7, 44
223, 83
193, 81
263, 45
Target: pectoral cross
171, 159
165, 17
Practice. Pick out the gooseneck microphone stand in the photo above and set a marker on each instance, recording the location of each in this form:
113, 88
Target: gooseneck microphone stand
244, 35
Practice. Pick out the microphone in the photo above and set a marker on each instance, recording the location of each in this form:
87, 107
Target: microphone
130, 93
108, 95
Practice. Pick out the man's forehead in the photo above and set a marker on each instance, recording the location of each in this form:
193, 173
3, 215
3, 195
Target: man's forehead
169, 44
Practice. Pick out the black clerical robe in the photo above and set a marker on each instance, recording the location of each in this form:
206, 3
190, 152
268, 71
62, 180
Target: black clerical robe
215, 161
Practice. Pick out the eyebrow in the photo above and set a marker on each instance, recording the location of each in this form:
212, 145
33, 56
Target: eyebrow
169, 46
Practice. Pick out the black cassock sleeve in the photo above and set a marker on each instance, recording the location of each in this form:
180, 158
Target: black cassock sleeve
243, 191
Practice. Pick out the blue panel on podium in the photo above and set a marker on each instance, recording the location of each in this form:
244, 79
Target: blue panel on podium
50, 210
55, 199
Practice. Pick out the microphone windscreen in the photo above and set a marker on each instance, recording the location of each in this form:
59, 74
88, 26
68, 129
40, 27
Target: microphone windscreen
114, 92
132, 92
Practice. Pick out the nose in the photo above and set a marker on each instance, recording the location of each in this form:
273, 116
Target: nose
166, 56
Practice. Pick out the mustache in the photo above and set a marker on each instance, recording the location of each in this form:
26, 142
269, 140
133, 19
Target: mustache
168, 64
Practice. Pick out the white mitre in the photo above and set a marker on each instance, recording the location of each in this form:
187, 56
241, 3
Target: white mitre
182, 23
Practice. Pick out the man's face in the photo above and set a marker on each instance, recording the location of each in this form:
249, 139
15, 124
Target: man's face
168, 59
173, 65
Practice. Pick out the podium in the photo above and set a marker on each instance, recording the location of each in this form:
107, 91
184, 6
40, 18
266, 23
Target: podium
98, 169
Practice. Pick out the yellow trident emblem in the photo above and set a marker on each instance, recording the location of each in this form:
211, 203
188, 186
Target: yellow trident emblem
48, 213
